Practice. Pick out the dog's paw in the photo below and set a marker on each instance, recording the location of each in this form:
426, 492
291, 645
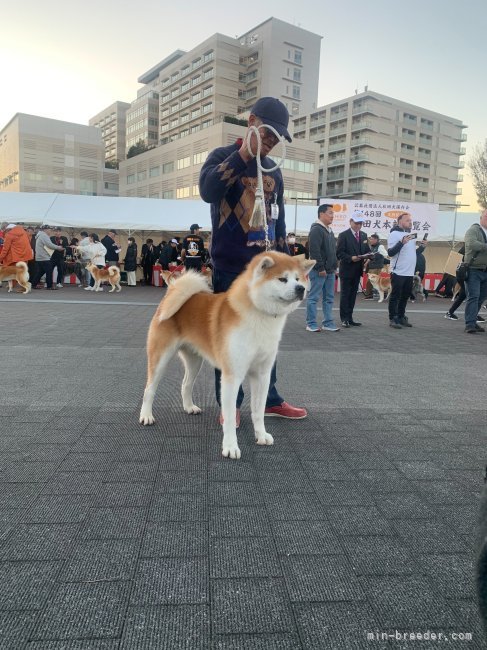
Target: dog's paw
264, 439
192, 410
381, 300
147, 419
231, 452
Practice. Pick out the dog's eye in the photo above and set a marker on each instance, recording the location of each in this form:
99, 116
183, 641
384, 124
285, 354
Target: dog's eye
282, 279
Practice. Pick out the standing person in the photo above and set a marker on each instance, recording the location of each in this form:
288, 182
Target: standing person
461, 295
352, 245
193, 250
84, 241
95, 253
375, 264
401, 247
322, 248
44, 248
169, 254
31, 264
57, 258
112, 248
148, 259
16, 246
476, 283
420, 268
73, 259
295, 248
130, 262
227, 180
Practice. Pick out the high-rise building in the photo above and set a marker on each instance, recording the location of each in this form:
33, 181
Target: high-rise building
112, 123
143, 119
374, 146
38, 154
172, 170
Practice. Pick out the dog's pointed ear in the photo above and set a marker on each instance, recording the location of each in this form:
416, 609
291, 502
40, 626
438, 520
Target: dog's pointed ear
266, 262
307, 265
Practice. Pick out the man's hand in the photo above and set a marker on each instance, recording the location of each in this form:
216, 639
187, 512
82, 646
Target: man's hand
424, 242
406, 239
244, 151
322, 274
355, 258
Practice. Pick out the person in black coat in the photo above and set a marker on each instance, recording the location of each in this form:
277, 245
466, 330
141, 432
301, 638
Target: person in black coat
148, 259
57, 258
130, 262
169, 254
352, 245
113, 249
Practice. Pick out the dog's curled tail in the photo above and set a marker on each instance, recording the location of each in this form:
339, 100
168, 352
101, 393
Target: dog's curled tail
180, 291
113, 270
21, 265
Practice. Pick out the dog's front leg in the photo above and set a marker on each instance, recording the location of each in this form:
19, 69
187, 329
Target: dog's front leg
259, 387
229, 392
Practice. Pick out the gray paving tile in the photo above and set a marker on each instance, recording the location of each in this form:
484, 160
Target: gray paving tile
39, 542
320, 578
429, 536
96, 560
176, 539
451, 573
234, 493
17, 495
78, 611
124, 495
28, 472
305, 537
342, 493
92, 644
15, 628
121, 472
178, 507
87, 462
376, 555
26, 585
319, 470
166, 581
225, 471
114, 523
287, 641
178, 627
294, 506
283, 482
238, 521
341, 626
250, 605
398, 600
74, 483
404, 505
58, 509
358, 520
181, 482
243, 558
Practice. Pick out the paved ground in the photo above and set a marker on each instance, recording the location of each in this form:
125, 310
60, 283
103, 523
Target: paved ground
359, 519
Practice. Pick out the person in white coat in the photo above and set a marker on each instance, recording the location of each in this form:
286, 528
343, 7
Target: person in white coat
95, 252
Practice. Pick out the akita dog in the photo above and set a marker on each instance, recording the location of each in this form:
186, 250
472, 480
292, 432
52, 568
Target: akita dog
237, 331
111, 274
381, 284
17, 272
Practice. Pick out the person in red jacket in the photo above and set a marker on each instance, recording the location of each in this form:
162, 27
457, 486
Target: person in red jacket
16, 246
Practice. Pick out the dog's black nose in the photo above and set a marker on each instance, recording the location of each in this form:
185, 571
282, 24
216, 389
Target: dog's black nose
300, 291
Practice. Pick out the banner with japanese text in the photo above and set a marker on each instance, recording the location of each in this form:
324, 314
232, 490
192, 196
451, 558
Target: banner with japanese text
381, 216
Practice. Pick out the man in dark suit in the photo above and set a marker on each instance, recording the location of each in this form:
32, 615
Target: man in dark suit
351, 245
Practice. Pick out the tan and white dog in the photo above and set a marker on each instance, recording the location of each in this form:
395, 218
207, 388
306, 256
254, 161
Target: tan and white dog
111, 275
17, 272
237, 331
380, 284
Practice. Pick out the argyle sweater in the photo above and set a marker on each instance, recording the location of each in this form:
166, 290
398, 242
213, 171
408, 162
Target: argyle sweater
228, 184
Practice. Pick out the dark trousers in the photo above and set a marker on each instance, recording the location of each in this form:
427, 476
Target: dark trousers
462, 294
400, 292
348, 295
41, 268
92, 279
58, 264
448, 282
147, 270
222, 282
31, 265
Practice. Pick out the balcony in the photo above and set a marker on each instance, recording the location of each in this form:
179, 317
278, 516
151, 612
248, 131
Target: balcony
458, 191
359, 157
338, 146
339, 131
426, 126
335, 162
405, 181
425, 156
408, 136
365, 108
355, 142
462, 151
337, 176
354, 188
362, 125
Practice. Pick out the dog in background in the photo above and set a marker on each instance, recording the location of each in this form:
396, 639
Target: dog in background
170, 276
237, 331
17, 272
418, 289
111, 275
381, 284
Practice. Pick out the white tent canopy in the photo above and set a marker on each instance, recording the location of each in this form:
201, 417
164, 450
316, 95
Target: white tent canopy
137, 214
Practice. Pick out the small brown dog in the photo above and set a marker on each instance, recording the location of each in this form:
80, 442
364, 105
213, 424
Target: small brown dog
111, 275
381, 284
18, 272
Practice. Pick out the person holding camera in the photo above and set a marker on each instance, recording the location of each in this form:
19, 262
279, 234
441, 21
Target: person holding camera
401, 248
476, 281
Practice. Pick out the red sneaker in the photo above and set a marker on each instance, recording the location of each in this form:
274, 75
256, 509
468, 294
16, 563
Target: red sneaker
285, 410
237, 419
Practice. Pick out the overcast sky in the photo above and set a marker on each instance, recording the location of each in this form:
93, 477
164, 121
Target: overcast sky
69, 60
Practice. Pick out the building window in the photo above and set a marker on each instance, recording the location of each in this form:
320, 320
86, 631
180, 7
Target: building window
154, 171
297, 74
130, 179
297, 57
168, 194
182, 163
141, 176
182, 192
196, 190
296, 92
199, 158
167, 168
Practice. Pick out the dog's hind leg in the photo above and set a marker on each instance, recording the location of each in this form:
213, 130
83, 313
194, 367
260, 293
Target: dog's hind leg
192, 363
259, 385
119, 288
229, 391
157, 360
112, 289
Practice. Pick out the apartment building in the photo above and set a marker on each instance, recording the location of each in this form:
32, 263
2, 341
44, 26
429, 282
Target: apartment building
39, 154
374, 146
112, 123
172, 171
143, 120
